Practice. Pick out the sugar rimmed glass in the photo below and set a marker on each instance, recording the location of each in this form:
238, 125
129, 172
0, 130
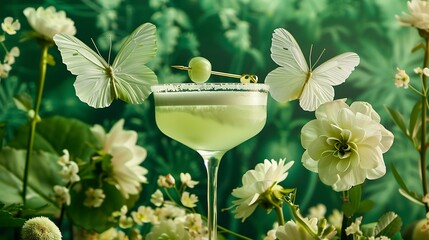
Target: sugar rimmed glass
211, 118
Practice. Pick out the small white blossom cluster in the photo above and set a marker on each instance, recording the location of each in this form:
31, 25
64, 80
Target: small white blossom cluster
168, 219
69, 172
9, 27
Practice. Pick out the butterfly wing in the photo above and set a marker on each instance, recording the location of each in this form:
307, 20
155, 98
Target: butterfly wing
335, 71
287, 81
93, 83
132, 79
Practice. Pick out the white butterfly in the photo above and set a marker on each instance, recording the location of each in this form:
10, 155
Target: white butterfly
295, 80
99, 83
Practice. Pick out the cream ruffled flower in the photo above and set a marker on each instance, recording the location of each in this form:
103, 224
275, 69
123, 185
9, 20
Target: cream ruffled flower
126, 173
418, 16
48, 22
345, 144
265, 176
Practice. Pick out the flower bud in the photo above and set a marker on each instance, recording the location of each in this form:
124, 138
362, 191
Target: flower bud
38, 228
166, 181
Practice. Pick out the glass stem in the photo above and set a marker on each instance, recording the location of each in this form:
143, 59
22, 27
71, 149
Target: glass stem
212, 161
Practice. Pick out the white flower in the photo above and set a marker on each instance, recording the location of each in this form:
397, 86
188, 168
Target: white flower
10, 26
166, 181
11, 55
124, 220
157, 198
4, 70
336, 219
193, 223
354, 228
345, 144
143, 215
48, 22
65, 158
401, 78
189, 200
110, 234
126, 173
294, 231
418, 16
69, 172
94, 197
271, 234
168, 229
169, 211
265, 176
62, 195
69, 168
185, 178
426, 71
378, 238
317, 211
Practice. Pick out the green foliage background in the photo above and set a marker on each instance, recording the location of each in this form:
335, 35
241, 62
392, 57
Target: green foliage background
235, 35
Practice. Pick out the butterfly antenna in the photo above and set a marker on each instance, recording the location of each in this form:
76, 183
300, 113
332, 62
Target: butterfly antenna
110, 48
319, 57
92, 40
309, 56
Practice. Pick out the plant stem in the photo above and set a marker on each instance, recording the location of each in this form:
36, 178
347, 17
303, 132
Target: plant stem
233, 233
35, 118
423, 146
347, 220
299, 220
345, 223
280, 217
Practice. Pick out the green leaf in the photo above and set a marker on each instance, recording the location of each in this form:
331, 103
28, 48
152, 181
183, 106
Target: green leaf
23, 102
415, 123
368, 229
57, 133
398, 119
365, 206
388, 225
352, 206
403, 187
50, 60
43, 175
2, 133
7, 220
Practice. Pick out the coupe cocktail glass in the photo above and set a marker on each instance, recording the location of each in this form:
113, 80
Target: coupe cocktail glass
211, 118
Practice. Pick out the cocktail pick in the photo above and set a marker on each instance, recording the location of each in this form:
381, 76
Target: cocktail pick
244, 78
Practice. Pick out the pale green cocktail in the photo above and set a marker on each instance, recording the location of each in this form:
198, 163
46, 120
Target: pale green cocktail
211, 118
219, 123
